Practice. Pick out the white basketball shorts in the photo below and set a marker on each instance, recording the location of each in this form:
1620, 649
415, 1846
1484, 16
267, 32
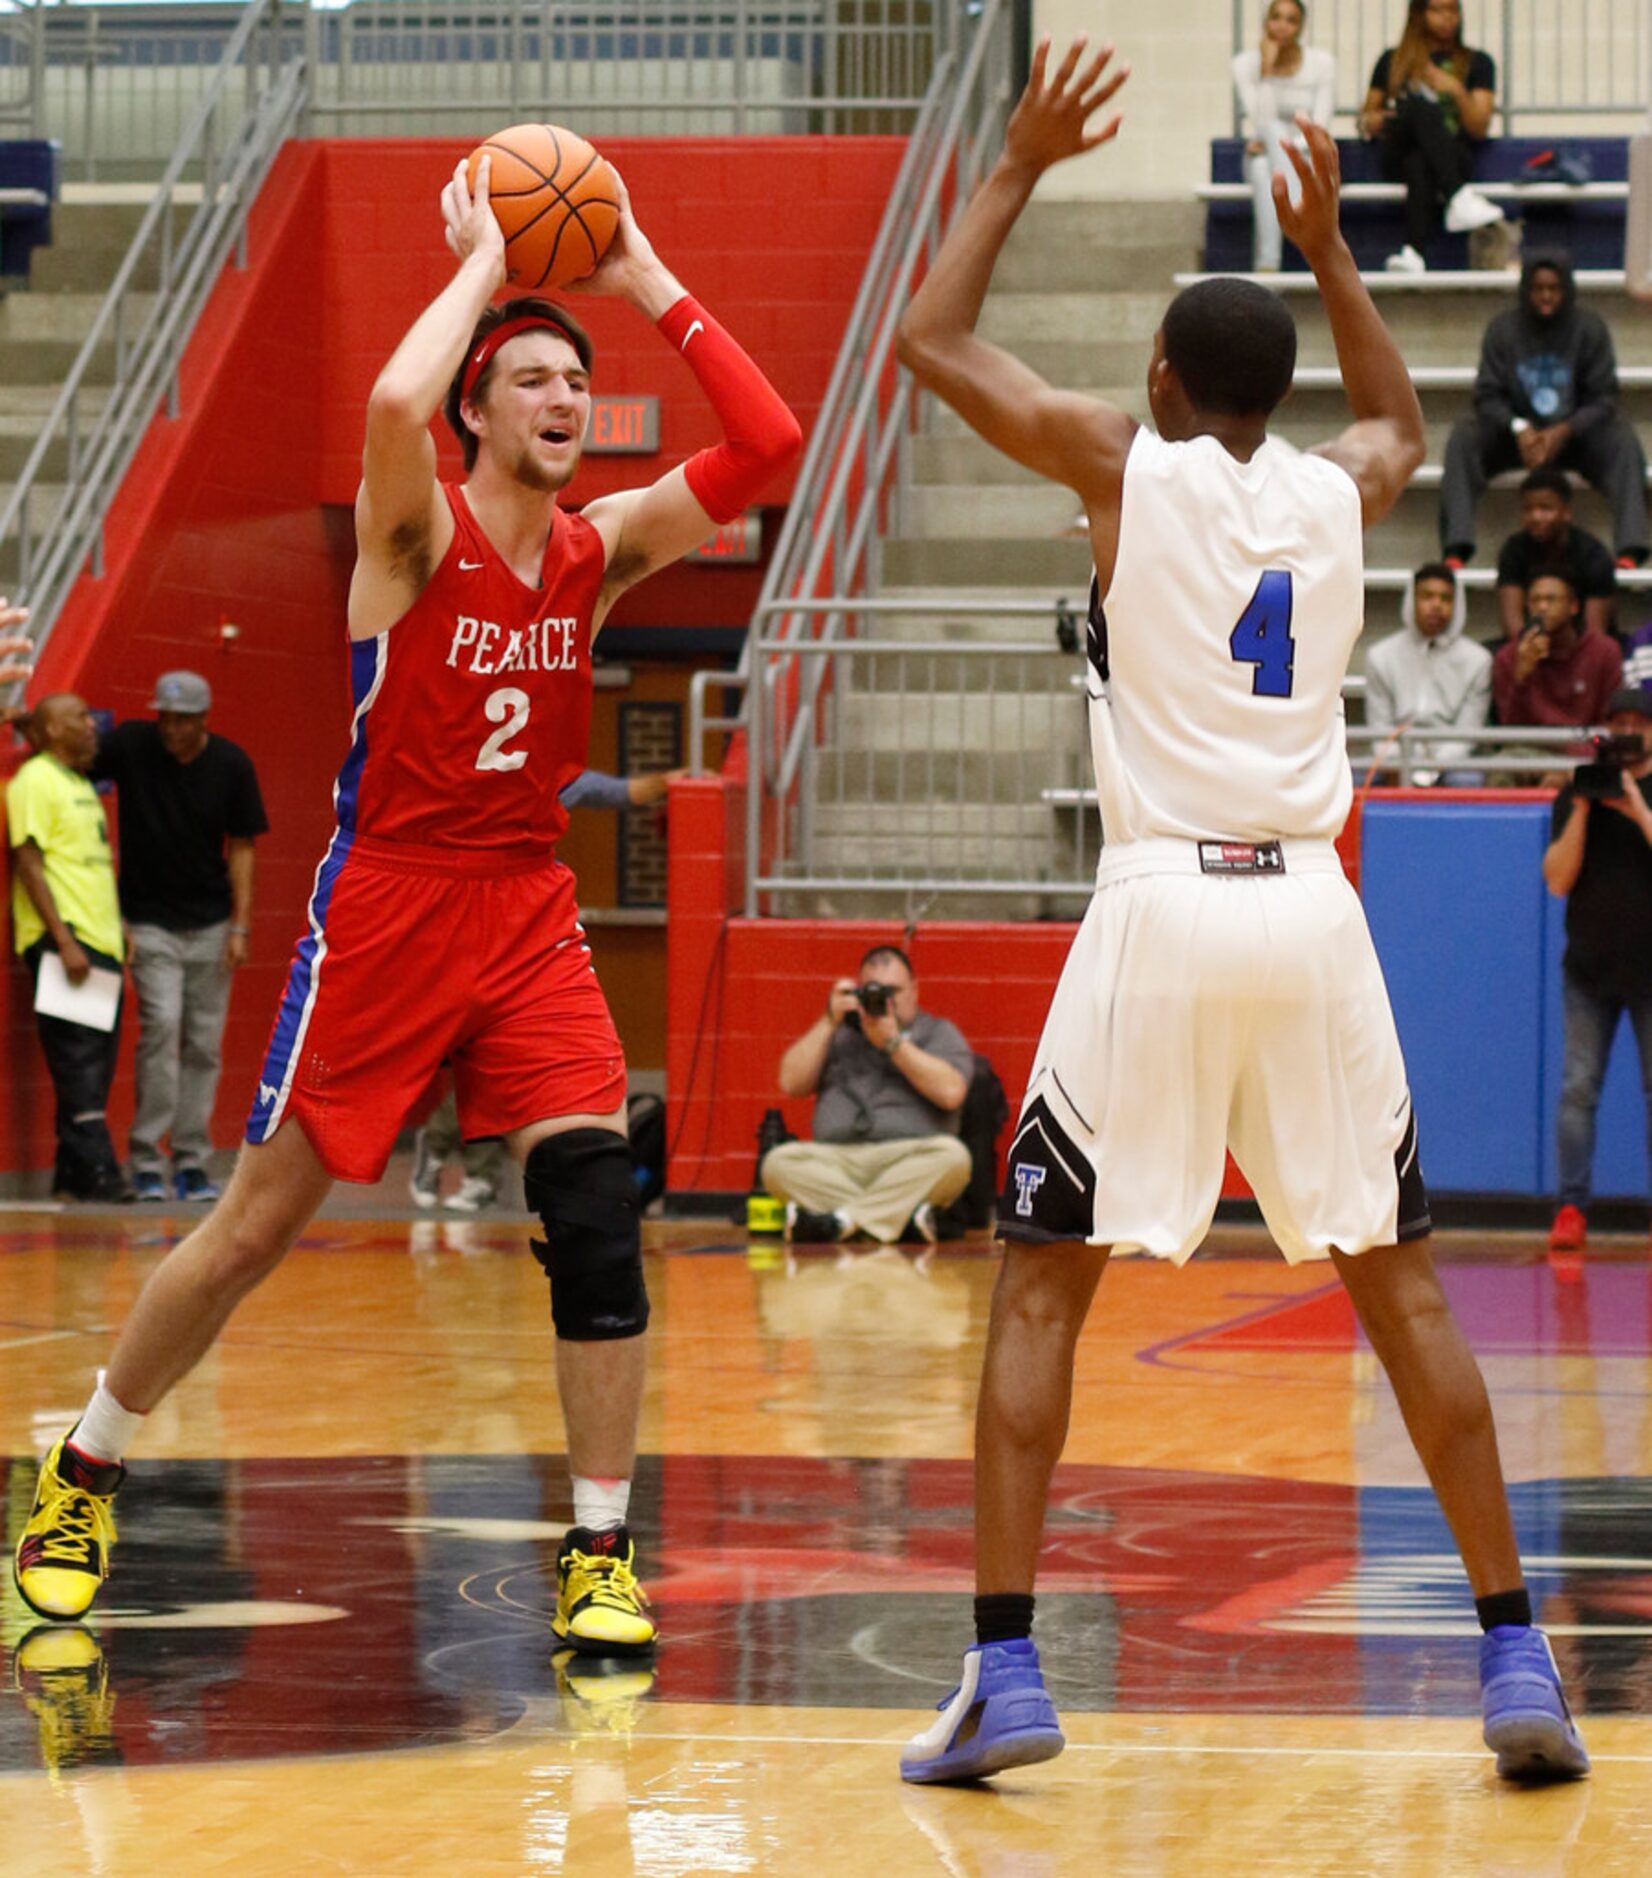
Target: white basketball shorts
1218, 995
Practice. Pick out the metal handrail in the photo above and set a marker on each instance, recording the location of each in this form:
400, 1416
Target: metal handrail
1409, 755
833, 525
149, 345
1552, 62
700, 719
851, 546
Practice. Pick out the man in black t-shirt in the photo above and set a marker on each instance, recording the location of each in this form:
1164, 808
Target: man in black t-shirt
1600, 859
1549, 542
189, 812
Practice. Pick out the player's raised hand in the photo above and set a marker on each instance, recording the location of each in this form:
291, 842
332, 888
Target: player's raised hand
1311, 222
471, 226
630, 261
1052, 120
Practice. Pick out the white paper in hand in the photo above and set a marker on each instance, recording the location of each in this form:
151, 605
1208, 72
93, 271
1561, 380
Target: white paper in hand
93, 1002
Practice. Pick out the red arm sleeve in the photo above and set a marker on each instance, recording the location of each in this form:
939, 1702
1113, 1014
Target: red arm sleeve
760, 434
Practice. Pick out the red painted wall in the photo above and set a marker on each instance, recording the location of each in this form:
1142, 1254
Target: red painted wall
739, 991
218, 520
237, 510
770, 233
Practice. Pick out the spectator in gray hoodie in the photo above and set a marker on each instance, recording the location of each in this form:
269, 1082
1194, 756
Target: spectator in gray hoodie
1427, 676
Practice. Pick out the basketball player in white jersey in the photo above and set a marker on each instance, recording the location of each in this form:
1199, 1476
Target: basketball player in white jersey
1222, 991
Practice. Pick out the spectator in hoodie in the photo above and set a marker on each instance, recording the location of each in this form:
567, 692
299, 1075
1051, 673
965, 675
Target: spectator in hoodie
1546, 397
1557, 672
1274, 84
1427, 676
1431, 100
1548, 541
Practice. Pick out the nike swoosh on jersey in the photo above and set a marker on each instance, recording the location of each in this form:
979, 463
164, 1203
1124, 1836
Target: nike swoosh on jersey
699, 326
469, 567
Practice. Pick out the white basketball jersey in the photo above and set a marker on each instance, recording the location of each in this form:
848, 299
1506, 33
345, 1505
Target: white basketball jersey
1215, 678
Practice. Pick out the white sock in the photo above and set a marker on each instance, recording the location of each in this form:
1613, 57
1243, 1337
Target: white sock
106, 1429
600, 1505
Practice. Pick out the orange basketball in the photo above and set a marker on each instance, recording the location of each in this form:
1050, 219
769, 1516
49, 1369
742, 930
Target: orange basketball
556, 200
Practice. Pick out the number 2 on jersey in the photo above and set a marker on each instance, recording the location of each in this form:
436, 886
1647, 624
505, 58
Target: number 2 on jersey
508, 708
1263, 636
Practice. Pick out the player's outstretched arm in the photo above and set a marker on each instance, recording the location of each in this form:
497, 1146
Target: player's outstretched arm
644, 530
1386, 441
402, 524
1075, 440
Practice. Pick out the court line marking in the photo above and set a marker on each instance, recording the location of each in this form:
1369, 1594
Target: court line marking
40, 1336
1301, 1752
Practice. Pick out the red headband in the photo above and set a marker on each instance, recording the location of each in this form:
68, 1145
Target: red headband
478, 359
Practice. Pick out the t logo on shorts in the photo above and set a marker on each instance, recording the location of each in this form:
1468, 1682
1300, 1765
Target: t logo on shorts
1028, 1180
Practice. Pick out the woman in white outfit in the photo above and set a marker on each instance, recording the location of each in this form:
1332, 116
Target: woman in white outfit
1274, 83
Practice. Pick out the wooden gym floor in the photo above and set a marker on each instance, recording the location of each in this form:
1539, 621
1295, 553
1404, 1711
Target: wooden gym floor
326, 1647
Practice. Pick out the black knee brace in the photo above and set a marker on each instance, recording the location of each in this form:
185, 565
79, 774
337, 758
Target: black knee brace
582, 1185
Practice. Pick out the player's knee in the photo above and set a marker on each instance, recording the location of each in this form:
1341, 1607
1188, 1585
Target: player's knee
249, 1248
582, 1186
1045, 1288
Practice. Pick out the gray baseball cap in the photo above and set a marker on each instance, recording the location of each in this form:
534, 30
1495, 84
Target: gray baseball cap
186, 692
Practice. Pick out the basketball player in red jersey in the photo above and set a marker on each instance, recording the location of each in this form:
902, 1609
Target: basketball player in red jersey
442, 925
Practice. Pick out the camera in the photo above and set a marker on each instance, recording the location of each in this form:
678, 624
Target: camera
1602, 779
874, 999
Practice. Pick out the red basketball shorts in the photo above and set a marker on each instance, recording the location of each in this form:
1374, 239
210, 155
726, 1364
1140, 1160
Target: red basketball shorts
419, 956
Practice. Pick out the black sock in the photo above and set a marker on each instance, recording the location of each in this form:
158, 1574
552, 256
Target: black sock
1504, 1607
1003, 1617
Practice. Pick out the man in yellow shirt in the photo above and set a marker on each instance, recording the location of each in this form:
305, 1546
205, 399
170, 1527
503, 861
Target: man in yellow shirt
63, 900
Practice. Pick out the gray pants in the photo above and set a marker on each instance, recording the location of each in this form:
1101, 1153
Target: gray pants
878, 1185
183, 997
1608, 457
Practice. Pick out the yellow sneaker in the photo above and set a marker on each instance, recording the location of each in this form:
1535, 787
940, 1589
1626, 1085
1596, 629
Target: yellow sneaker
63, 1555
599, 1604
60, 1673
600, 1696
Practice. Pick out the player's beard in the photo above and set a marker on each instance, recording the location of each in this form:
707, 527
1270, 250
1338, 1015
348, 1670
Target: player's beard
533, 474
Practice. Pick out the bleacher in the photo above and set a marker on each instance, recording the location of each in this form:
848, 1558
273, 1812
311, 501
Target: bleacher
29, 173
1586, 219
1439, 316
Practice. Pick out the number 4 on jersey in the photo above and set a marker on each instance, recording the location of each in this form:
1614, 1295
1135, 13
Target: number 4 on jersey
1263, 637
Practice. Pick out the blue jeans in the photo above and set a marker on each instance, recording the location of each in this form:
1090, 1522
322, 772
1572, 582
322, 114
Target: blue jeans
1591, 1022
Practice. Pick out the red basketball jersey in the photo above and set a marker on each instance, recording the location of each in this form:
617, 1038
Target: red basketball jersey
473, 712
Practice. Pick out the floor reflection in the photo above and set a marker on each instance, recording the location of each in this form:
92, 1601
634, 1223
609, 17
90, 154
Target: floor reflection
315, 1607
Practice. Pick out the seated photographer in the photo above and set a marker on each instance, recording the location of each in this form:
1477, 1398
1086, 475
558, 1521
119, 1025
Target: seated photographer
889, 1080
1559, 671
1599, 859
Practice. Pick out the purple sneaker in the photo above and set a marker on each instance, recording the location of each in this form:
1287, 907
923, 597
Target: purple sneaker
1527, 1723
999, 1716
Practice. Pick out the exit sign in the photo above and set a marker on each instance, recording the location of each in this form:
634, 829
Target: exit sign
624, 427
736, 544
